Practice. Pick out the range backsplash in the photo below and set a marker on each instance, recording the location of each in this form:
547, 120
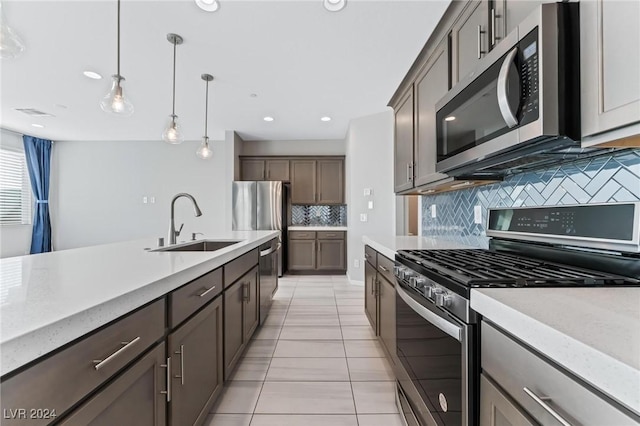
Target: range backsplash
319, 215
607, 179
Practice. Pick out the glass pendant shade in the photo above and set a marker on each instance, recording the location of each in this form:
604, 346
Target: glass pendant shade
203, 150
115, 102
11, 46
172, 133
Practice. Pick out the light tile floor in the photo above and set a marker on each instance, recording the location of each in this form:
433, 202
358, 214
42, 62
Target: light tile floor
314, 362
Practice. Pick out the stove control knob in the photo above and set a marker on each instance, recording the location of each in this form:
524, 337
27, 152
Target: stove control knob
400, 271
443, 299
408, 273
417, 282
396, 270
430, 290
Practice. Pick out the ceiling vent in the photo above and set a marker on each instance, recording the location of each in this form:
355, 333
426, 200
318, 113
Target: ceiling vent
34, 112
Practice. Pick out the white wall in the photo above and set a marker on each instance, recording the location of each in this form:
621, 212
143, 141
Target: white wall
369, 164
97, 190
15, 240
295, 147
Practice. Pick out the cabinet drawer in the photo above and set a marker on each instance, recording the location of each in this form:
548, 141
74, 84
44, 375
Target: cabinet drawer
63, 379
238, 267
515, 368
189, 298
385, 267
370, 255
330, 235
302, 235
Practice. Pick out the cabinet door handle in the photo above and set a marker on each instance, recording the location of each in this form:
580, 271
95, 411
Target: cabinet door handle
168, 367
547, 407
373, 284
383, 268
203, 294
493, 26
245, 292
331, 235
408, 178
480, 32
181, 375
99, 363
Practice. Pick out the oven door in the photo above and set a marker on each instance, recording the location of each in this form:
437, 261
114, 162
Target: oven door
437, 365
484, 116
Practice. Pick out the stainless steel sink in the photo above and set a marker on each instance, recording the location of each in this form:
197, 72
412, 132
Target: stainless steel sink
202, 245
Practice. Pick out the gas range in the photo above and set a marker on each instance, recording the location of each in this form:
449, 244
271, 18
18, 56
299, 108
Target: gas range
437, 337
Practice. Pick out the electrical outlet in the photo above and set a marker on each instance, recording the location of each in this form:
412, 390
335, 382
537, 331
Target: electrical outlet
367, 192
144, 200
477, 215
356, 263
370, 205
152, 200
433, 211
363, 217
318, 213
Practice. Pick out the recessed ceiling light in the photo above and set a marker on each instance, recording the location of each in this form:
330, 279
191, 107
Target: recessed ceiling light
334, 5
449, 118
267, 118
325, 118
39, 126
253, 95
92, 75
208, 5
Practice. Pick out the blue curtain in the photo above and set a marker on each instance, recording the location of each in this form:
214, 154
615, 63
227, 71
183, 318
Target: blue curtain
38, 154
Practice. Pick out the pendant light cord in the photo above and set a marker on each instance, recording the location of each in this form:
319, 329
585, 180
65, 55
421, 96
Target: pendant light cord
206, 108
118, 49
174, 81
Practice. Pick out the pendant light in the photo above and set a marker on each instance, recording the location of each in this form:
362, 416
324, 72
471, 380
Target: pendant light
203, 150
334, 5
172, 133
11, 46
115, 102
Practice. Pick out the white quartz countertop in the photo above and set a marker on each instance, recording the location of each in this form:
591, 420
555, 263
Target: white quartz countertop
592, 332
317, 228
388, 245
50, 299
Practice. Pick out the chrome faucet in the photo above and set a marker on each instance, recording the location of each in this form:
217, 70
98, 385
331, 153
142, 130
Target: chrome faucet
173, 234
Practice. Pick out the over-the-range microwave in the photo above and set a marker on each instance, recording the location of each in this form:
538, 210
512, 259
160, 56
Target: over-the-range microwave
522, 103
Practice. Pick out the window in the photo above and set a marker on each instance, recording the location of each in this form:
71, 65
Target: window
15, 189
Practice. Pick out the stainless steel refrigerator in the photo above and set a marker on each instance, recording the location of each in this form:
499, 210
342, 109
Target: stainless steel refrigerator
262, 206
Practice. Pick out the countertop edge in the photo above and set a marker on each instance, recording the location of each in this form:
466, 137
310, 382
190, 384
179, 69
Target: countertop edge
22, 349
379, 247
316, 228
618, 380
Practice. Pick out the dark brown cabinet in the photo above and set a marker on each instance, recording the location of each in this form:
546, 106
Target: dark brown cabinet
322, 251
241, 316
470, 39
403, 144
196, 372
317, 181
387, 315
370, 296
264, 169
137, 397
303, 182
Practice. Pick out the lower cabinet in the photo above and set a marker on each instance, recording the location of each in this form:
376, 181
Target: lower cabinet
137, 397
497, 409
241, 316
195, 351
387, 315
323, 251
302, 255
331, 255
370, 297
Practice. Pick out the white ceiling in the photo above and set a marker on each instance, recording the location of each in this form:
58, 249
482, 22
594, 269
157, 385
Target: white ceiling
302, 61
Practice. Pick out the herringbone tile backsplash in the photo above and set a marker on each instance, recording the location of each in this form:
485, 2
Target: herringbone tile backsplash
319, 215
607, 179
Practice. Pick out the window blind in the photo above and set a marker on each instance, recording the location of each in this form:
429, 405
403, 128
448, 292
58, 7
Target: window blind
15, 190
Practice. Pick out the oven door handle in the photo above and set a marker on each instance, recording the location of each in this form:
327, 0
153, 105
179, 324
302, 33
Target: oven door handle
435, 319
503, 83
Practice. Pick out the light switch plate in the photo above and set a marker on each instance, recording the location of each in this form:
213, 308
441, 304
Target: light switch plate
363, 217
144, 200
370, 205
433, 210
367, 192
477, 215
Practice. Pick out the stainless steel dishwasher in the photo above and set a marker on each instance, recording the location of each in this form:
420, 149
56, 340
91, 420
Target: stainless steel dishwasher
268, 268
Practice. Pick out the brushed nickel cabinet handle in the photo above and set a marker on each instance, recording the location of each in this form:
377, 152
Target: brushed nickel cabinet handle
168, 391
181, 375
383, 268
203, 294
99, 363
547, 407
245, 292
480, 32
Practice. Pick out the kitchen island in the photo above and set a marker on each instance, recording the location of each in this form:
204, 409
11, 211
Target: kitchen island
51, 299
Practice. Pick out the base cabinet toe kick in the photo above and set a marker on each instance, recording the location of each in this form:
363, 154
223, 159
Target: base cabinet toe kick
162, 364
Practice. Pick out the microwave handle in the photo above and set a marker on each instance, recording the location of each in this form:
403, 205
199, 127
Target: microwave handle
503, 82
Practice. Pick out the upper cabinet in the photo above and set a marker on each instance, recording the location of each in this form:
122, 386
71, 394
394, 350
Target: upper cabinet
431, 85
317, 181
469, 38
264, 169
403, 145
610, 65
505, 15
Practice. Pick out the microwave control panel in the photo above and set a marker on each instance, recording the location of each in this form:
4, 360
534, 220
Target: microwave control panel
529, 76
